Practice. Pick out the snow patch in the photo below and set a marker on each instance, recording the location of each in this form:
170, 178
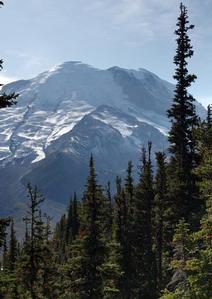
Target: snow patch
40, 156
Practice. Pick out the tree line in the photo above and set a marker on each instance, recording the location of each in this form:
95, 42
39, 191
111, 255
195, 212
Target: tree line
151, 239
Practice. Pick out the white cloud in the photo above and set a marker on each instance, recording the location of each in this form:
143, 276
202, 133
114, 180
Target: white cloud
4, 79
205, 100
26, 63
148, 18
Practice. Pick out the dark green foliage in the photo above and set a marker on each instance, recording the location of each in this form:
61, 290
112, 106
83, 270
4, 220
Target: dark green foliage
85, 280
112, 273
5, 255
8, 282
129, 274
133, 262
193, 250
13, 248
124, 233
3, 225
72, 223
192, 262
120, 213
60, 239
183, 118
6, 100
209, 116
109, 212
129, 185
35, 265
66, 231
162, 221
120, 233
145, 264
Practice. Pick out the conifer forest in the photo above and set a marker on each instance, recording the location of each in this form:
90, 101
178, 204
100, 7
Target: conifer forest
150, 239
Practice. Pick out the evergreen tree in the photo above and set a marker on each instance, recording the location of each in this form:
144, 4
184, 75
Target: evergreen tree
179, 286
130, 202
75, 217
145, 267
48, 271
120, 234
72, 223
126, 207
60, 234
3, 226
204, 171
5, 261
193, 261
13, 248
8, 281
161, 220
109, 212
183, 118
182, 252
30, 259
83, 273
129, 184
112, 272
68, 223
120, 212
209, 116
199, 268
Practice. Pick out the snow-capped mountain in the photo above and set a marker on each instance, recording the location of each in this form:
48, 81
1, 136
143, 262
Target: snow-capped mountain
66, 113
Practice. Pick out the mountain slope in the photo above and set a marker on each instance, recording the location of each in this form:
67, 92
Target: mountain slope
65, 114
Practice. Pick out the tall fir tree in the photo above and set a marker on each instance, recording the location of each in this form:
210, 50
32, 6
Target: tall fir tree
13, 248
83, 273
162, 221
124, 233
183, 119
75, 215
179, 286
68, 223
209, 116
109, 211
192, 261
72, 223
4, 223
60, 235
145, 264
5, 255
120, 234
112, 268
48, 268
29, 263
129, 274
8, 281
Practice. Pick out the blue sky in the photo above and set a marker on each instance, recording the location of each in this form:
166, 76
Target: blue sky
38, 34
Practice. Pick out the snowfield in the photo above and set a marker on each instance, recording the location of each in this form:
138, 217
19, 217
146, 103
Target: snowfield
65, 114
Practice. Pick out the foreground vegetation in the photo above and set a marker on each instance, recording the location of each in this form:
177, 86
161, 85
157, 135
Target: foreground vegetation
152, 239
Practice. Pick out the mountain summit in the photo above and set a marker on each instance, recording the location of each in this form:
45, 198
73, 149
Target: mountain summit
65, 114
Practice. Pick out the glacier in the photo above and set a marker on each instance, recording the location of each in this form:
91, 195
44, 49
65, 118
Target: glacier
70, 111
